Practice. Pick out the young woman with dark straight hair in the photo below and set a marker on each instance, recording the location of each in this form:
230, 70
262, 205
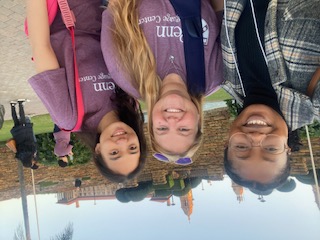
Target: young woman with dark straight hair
118, 142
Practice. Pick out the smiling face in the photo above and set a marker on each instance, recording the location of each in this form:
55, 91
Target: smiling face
175, 118
120, 148
175, 123
256, 164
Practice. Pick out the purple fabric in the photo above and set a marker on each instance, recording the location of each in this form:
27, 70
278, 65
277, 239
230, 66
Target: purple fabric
62, 146
180, 161
184, 161
56, 89
162, 29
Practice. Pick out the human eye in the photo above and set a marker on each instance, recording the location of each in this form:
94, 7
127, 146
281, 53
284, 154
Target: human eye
271, 149
184, 129
114, 152
241, 147
131, 148
162, 128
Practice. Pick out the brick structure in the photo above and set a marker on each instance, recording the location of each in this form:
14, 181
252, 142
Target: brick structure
208, 164
16, 65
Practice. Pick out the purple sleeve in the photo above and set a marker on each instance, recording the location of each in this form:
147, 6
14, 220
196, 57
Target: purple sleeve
62, 146
119, 75
57, 96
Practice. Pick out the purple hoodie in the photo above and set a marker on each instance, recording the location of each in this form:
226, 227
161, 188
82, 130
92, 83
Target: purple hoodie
162, 29
56, 88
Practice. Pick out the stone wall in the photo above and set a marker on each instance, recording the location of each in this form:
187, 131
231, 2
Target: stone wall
208, 163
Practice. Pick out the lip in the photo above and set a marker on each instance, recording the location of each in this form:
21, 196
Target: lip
173, 101
257, 121
173, 110
118, 132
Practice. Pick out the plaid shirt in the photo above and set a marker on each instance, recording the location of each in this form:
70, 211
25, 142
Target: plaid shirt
292, 46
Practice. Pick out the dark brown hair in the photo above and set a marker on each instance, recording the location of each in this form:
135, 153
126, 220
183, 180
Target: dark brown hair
129, 112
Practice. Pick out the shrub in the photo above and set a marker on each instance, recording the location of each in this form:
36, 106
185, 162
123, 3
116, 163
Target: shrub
45, 142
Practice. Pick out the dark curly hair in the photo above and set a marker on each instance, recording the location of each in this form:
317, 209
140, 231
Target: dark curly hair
278, 181
293, 142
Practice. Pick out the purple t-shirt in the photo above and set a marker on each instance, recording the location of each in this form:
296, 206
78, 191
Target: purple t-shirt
162, 29
56, 88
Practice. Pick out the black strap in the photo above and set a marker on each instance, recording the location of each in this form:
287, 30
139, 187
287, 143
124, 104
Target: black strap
189, 12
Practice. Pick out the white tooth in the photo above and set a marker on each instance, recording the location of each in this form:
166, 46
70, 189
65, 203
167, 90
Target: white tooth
119, 133
257, 122
173, 110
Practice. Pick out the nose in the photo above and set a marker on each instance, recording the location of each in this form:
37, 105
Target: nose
121, 140
172, 119
256, 137
173, 116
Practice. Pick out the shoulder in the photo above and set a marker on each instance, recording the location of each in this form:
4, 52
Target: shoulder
301, 9
298, 109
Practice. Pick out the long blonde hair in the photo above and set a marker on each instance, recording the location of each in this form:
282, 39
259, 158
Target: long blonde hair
139, 62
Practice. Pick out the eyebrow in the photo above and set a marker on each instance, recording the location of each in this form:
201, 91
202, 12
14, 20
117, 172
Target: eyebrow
116, 158
263, 158
242, 158
185, 135
160, 133
268, 159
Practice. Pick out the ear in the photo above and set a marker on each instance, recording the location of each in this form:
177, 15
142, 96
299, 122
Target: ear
98, 148
289, 151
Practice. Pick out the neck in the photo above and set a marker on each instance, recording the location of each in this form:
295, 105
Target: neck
107, 119
173, 78
173, 83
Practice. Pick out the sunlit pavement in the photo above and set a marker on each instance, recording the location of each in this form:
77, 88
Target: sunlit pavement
16, 66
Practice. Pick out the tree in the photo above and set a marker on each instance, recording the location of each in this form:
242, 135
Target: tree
66, 234
233, 107
121, 195
288, 186
135, 194
314, 130
309, 178
195, 181
45, 142
19, 233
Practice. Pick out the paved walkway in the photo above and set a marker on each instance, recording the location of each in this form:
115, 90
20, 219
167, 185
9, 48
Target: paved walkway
15, 62
16, 66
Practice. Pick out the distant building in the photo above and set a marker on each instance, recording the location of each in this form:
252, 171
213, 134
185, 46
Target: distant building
162, 199
187, 204
238, 190
316, 196
96, 193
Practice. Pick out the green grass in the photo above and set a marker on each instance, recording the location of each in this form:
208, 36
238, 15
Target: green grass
47, 184
44, 124
41, 124
218, 96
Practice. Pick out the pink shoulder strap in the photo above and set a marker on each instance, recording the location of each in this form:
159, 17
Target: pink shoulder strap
69, 21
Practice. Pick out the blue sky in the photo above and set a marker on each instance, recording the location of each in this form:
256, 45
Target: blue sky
216, 215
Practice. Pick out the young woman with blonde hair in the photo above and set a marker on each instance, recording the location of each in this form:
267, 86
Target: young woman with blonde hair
145, 38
